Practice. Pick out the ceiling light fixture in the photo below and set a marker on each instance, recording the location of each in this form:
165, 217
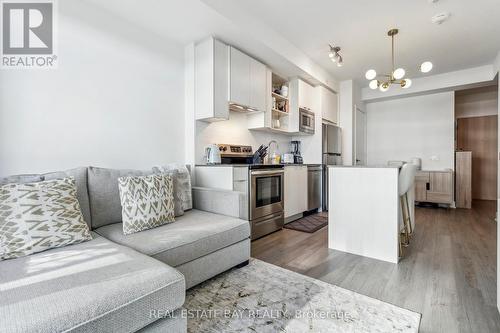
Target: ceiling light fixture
397, 75
426, 67
335, 56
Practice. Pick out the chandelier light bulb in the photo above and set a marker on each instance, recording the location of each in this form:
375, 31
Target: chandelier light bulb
426, 67
384, 87
406, 83
373, 84
340, 61
331, 54
399, 74
370, 74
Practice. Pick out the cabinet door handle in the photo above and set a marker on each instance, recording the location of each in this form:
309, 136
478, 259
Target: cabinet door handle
428, 186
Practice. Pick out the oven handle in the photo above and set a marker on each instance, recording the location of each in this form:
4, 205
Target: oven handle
267, 173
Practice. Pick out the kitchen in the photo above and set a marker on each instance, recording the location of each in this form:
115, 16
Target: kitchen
241, 106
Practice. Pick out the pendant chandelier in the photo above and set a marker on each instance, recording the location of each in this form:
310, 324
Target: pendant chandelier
397, 76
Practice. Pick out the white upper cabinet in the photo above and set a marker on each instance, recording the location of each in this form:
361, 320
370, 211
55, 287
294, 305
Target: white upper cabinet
329, 104
239, 89
302, 96
248, 81
306, 95
258, 85
211, 80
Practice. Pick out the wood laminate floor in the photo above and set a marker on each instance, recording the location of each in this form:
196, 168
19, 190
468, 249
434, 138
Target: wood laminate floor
448, 274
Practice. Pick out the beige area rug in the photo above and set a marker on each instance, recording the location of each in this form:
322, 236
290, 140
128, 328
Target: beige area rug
261, 297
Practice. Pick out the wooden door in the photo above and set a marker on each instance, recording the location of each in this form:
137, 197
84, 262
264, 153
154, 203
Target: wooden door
441, 187
421, 181
421, 191
463, 179
480, 135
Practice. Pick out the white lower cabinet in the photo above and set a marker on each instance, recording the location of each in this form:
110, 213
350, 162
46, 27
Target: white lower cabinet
295, 190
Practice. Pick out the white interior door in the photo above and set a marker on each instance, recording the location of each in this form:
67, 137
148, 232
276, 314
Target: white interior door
360, 146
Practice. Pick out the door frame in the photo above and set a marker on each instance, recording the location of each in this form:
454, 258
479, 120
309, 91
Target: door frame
356, 109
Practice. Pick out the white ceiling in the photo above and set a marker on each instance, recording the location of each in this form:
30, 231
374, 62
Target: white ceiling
470, 38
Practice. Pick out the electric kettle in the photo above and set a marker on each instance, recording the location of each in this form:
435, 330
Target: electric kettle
212, 153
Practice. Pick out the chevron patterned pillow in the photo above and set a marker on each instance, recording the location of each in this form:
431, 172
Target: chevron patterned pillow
147, 202
35, 217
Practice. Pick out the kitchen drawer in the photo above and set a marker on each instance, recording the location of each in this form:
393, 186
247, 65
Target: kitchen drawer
442, 198
422, 176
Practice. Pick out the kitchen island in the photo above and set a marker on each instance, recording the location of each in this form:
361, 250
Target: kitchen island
365, 211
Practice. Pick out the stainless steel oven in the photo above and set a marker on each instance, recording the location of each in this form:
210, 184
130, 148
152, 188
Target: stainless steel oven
266, 199
306, 121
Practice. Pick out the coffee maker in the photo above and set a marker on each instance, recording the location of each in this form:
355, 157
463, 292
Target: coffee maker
297, 158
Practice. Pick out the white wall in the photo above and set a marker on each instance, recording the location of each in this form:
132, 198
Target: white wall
476, 102
346, 120
116, 99
498, 196
349, 98
435, 83
420, 126
234, 131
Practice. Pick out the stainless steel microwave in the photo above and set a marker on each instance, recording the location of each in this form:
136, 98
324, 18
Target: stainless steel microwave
306, 121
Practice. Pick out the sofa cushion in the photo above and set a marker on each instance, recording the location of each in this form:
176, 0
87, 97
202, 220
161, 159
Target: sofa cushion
193, 235
183, 191
82, 193
79, 174
97, 286
104, 195
147, 202
178, 198
36, 217
20, 179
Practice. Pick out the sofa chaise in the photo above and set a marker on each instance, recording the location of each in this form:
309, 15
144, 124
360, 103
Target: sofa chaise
117, 283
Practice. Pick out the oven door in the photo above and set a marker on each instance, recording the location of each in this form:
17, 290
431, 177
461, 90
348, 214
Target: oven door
306, 124
266, 193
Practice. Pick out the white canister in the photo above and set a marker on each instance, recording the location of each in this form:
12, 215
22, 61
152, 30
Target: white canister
284, 91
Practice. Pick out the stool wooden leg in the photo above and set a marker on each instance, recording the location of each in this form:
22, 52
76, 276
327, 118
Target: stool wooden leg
405, 221
410, 227
400, 246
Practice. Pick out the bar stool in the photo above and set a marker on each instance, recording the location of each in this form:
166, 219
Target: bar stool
405, 183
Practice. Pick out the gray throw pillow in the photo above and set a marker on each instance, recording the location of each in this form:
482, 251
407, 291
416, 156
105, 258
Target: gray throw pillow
147, 202
178, 203
35, 217
183, 194
104, 195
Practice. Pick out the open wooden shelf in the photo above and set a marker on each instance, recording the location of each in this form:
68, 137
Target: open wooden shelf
279, 97
280, 113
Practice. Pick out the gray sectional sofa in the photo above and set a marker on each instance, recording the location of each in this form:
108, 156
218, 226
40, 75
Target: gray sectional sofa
117, 283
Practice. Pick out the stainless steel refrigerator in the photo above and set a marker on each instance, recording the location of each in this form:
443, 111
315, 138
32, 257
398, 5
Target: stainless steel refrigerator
332, 154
